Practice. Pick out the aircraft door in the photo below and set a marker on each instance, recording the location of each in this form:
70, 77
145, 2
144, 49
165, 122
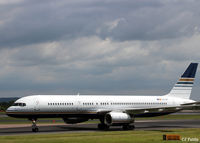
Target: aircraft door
36, 105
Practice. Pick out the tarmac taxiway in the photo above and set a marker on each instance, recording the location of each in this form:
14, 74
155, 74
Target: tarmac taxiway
58, 128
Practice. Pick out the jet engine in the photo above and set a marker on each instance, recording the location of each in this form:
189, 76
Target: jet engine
74, 120
118, 118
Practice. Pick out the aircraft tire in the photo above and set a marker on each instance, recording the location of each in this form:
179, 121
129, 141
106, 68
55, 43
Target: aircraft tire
103, 127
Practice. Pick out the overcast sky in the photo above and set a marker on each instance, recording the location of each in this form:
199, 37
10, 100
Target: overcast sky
97, 46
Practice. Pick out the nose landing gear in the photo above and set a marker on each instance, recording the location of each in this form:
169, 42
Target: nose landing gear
34, 126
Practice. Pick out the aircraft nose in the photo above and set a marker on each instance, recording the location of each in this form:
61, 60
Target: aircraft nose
9, 109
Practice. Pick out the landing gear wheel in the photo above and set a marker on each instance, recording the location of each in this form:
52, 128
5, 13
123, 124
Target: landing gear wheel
35, 129
125, 127
128, 127
34, 126
103, 127
131, 127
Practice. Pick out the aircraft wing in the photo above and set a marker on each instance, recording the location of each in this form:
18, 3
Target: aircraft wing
153, 110
104, 111
163, 109
172, 109
140, 110
193, 103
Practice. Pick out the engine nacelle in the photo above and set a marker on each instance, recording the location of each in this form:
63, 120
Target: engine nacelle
74, 120
118, 118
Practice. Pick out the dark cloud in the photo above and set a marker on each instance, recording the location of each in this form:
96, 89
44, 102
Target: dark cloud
96, 47
31, 22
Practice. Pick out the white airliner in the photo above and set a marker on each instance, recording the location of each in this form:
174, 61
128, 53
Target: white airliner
111, 110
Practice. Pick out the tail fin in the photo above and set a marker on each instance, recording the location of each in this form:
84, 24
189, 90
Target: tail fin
183, 87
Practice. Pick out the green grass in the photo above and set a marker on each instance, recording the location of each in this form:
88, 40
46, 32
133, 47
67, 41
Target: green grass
154, 136
2, 113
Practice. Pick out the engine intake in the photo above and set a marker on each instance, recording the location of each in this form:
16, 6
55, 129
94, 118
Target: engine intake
118, 118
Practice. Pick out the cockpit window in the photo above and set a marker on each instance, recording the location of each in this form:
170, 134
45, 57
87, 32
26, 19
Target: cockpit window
19, 104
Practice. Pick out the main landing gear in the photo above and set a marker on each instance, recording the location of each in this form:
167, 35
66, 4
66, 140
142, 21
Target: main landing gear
34, 126
128, 127
102, 125
124, 127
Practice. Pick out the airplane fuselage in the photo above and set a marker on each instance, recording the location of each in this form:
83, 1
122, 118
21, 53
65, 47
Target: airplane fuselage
86, 105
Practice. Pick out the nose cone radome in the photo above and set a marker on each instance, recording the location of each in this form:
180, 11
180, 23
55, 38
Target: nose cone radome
9, 110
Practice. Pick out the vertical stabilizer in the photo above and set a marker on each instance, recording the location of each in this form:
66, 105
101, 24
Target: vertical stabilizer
183, 87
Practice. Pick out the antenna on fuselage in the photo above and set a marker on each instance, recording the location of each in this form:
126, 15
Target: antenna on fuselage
78, 94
